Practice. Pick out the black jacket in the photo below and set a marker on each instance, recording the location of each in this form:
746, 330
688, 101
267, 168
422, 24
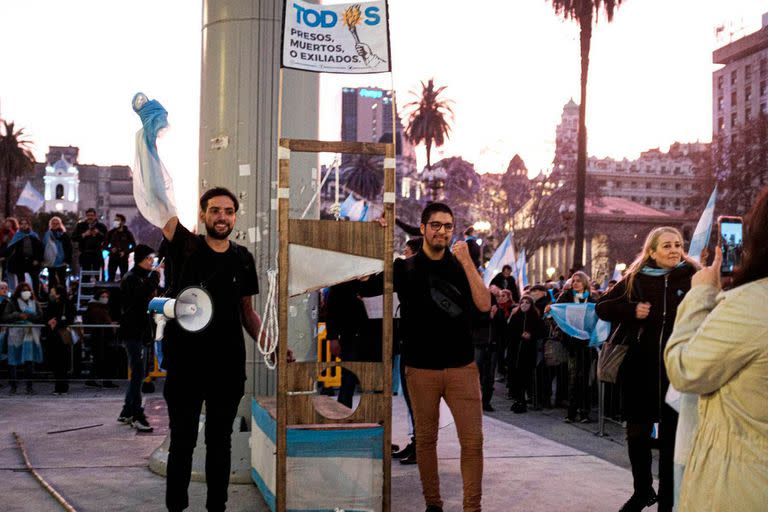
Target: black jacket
64, 313
137, 288
507, 283
121, 240
643, 375
89, 244
18, 261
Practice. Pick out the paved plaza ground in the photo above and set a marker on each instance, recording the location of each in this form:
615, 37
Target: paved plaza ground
533, 461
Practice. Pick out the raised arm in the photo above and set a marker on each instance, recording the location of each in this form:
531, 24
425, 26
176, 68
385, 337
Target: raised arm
170, 228
480, 294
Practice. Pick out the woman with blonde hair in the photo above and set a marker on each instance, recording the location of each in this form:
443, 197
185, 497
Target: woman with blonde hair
57, 252
642, 306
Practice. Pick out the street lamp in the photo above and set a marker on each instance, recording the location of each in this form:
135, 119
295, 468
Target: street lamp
567, 212
550, 272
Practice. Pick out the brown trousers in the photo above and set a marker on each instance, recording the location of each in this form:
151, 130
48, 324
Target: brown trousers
460, 387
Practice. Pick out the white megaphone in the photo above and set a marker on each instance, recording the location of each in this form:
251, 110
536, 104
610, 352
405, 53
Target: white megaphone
192, 308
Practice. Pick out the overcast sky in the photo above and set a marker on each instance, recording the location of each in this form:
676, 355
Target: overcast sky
69, 71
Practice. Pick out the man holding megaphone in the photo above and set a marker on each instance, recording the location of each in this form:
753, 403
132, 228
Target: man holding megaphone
207, 365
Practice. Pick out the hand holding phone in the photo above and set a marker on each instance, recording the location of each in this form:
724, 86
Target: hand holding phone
730, 239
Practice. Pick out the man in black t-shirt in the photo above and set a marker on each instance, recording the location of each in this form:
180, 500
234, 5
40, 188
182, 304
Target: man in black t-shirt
227, 271
440, 293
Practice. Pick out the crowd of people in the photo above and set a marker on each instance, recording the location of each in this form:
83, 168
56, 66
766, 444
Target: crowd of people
39, 305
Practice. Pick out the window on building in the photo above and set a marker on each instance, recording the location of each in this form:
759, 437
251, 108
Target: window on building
619, 169
648, 186
601, 183
678, 186
618, 185
747, 93
748, 72
720, 124
648, 201
720, 103
634, 184
720, 83
59, 191
663, 186
763, 68
663, 202
634, 199
733, 77
678, 202
733, 99
677, 170
733, 119
648, 168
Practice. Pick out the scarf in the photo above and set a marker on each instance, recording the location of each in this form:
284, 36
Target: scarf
660, 272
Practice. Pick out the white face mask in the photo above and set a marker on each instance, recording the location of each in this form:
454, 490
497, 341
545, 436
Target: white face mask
26, 295
525, 306
104, 300
115, 223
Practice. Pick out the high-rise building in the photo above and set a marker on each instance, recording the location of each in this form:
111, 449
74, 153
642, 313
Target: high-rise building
740, 87
366, 116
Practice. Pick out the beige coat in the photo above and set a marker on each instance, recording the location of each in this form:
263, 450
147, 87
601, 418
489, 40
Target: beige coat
719, 350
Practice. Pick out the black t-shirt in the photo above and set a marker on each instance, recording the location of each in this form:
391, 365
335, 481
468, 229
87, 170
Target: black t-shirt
436, 312
227, 276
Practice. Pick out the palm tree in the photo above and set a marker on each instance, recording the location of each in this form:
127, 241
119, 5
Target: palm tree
16, 159
429, 119
583, 12
363, 177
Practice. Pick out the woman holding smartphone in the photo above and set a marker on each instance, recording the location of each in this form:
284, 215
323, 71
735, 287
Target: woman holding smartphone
719, 350
643, 306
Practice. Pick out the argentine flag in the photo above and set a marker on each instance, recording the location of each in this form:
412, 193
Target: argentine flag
521, 270
504, 255
580, 321
30, 198
700, 237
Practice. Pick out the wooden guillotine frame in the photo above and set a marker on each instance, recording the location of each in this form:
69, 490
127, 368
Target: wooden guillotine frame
296, 381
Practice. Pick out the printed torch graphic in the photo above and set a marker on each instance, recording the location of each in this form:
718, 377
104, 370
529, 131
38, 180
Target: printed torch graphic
352, 18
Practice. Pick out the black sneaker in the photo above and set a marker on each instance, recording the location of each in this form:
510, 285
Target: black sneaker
141, 424
488, 408
569, 419
638, 502
125, 417
409, 460
518, 408
434, 508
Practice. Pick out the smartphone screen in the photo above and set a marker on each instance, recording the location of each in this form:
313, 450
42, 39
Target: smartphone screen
731, 243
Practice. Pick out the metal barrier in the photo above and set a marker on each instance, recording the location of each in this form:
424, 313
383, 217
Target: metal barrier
153, 373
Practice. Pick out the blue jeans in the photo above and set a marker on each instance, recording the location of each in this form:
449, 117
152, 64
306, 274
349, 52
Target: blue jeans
135, 349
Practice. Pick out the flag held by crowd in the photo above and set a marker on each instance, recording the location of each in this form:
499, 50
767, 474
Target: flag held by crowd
354, 209
700, 236
30, 198
580, 321
504, 255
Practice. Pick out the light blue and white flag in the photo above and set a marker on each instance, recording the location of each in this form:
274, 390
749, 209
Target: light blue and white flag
580, 321
617, 273
504, 255
700, 237
521, 268
30, 198
152, 185
354, 209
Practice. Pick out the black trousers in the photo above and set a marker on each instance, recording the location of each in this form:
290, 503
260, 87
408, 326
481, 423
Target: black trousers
639, 444
485, 359
579, 366
116, 262
61, 355
185, 396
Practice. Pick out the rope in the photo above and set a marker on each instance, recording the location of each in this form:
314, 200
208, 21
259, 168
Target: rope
269, 331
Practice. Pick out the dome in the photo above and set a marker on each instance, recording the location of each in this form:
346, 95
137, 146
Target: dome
61, 165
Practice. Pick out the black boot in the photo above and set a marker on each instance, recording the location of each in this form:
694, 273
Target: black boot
638, 501
405, 452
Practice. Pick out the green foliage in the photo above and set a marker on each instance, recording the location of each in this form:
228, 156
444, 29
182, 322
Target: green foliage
429, 119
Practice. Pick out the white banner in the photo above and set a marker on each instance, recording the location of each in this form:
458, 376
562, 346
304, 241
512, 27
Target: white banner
340, 38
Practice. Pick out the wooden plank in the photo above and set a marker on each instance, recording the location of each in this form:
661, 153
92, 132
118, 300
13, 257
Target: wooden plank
269, 403
358, 238
385, 403
283, 206
320, 146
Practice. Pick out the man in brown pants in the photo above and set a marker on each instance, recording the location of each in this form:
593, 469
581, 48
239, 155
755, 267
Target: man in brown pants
440, 293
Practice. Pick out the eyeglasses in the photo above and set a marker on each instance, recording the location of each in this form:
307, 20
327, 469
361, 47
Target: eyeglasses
215, 210
437, 226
